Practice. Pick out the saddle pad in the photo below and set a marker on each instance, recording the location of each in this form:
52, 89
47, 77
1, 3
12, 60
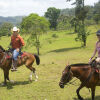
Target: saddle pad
23, 54
8, 56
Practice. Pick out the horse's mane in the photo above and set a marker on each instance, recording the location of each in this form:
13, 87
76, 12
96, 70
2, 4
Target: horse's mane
79, 64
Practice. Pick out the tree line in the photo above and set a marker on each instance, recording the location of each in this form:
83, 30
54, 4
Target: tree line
57, 19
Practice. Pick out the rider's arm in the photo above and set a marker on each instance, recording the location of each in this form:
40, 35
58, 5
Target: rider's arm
22, 42
94, 53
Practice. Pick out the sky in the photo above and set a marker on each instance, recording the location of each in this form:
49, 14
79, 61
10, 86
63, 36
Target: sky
25, 7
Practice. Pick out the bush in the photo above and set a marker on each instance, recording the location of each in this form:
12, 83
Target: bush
54, 35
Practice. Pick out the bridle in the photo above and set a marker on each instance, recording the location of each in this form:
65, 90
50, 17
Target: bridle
68, 75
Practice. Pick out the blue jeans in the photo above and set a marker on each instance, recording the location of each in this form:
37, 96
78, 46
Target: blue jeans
15, 54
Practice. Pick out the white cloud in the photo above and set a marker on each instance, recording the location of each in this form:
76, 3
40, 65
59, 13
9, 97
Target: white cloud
25, 7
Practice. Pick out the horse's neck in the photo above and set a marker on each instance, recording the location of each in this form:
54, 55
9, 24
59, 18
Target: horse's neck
80, 71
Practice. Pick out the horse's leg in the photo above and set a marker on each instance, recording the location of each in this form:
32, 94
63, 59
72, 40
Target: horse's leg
5, 77
93, 92
77, 91
33, 72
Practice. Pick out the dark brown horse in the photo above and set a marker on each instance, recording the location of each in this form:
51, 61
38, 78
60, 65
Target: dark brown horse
27, 59
85, 73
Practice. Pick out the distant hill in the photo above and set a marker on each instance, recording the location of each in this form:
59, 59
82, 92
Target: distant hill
14, 20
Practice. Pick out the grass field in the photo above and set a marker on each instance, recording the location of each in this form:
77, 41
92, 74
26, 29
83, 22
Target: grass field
55, 53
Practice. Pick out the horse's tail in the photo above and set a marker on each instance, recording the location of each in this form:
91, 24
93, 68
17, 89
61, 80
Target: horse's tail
37, 59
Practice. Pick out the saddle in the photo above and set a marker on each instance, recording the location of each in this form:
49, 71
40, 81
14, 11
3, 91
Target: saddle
9, 55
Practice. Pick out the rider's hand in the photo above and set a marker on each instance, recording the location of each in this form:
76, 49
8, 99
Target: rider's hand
17, 49
90, 60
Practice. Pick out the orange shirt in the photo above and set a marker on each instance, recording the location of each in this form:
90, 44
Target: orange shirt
17, 42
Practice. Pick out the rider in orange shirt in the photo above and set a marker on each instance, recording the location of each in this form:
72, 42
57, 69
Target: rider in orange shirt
16, 42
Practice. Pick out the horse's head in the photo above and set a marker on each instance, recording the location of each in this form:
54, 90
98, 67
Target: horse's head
66, 76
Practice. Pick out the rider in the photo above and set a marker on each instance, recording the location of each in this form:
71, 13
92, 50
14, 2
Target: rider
16, 42
97, 48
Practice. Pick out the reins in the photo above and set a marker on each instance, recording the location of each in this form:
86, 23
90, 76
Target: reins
73, 82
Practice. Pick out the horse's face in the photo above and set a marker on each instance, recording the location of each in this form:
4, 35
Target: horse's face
66, 76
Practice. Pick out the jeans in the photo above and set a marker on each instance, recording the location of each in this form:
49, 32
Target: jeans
15, 54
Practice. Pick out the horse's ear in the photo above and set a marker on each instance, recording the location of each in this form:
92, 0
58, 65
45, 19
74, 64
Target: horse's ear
68, 63
69, 67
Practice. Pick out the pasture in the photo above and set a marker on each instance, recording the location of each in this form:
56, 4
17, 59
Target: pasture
55, 52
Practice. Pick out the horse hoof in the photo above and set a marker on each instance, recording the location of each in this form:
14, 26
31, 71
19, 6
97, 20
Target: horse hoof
81, 99
12, 81
37, 77
3, 84
36, 80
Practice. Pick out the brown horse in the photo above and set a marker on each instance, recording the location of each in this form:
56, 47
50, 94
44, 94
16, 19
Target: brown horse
85, 73
27, 59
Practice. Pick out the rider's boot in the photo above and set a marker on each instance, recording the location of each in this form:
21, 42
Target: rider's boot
14, 65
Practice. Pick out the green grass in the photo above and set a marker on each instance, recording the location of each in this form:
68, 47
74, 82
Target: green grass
55, 54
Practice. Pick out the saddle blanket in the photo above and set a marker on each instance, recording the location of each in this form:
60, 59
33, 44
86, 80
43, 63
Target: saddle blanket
9, 56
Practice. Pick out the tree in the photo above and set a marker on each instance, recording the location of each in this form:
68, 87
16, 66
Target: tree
63, 22
96, 14
5, 29
96, 18
35, 26
80, 14
52, 15
74, 23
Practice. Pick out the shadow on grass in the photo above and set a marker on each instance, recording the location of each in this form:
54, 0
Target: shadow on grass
70, 33
96, 98
65, 49
10, 85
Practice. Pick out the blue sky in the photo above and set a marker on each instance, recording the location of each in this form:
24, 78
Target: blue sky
25, 7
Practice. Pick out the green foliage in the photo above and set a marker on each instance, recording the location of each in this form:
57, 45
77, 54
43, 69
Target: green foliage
82, 35
52, 15
96, 17
97, 12
54, 35
35, 26
81, 13
33, 23
74, 23
79, 20
64, 22
5, 29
